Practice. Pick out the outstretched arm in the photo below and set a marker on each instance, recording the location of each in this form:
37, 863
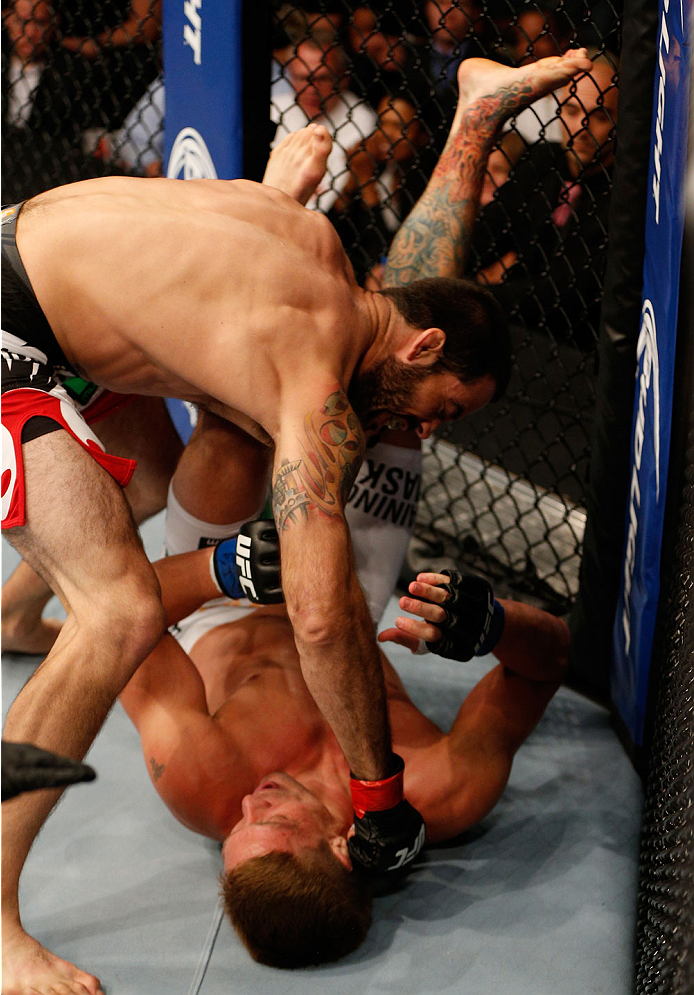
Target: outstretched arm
465, 774
184, 748
317, 459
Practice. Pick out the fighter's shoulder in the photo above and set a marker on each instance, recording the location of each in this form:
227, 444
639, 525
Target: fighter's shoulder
452, 789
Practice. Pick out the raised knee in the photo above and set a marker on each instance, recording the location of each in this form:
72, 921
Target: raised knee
147, 623
128, 618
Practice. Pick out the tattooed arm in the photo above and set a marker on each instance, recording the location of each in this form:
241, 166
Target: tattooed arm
317, 458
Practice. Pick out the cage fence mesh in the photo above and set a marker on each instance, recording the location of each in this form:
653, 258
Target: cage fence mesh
80, 92
502, 492
665, 922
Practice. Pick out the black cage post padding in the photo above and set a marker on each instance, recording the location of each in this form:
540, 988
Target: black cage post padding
593, 614
258, 130
665, 922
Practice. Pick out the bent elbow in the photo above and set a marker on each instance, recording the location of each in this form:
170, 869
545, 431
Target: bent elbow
315, 626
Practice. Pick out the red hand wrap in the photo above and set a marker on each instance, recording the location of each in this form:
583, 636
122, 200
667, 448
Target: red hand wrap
376, 796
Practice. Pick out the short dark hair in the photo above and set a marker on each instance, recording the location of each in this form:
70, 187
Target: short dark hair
478, 342
297, 910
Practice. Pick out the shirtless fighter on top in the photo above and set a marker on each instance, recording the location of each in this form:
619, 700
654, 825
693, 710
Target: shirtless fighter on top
231, 296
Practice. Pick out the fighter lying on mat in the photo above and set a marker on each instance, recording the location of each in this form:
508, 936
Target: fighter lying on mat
122, 315
238, 750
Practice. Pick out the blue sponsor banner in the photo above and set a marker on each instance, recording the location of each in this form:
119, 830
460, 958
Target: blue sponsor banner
203, 130
640, 586
203, 124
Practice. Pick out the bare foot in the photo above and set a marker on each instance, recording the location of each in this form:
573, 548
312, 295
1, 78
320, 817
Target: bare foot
503, 90
30, 969
24, 598
298, 163
21, 634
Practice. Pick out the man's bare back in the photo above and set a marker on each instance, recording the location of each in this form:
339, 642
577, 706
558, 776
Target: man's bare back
213, 291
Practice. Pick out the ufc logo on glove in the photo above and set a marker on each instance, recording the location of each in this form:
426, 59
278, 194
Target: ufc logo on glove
243, 563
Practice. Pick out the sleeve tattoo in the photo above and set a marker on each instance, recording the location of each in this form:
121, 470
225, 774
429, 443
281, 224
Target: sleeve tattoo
332, 445
434, 239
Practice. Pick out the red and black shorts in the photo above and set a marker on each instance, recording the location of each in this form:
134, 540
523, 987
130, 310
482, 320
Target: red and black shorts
40, 393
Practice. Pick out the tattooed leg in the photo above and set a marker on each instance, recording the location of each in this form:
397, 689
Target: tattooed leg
435, 238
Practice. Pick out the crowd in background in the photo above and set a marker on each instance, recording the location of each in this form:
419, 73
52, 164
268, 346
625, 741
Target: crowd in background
84, 96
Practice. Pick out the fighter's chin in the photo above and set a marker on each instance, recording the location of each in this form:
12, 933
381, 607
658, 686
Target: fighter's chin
277, 781
378, 422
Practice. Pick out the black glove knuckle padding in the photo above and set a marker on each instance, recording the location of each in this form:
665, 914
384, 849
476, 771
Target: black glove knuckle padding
387, 841
258, 559
469, 609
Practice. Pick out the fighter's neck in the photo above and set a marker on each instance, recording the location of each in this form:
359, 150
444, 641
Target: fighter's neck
387, 330
327, 777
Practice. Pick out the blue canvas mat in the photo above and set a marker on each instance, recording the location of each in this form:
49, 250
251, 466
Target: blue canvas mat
537, 900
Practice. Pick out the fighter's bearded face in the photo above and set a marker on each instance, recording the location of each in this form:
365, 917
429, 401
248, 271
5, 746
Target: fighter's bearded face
416, 398
386, 390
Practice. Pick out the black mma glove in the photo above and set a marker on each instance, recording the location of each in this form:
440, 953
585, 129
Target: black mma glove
389, 833
28, 768
474, 619
248, 565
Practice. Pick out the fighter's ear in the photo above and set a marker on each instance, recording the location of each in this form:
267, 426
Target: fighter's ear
338, 845
426, 347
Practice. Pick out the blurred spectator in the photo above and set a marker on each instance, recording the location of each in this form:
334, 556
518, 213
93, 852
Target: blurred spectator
455, 30
547, 225
139, 146
499, 164
290, 26
384, 55
317, 72
44, 112
537, 33
454, 27
484, 261
385, 178
138, 24
29, 28
114, 48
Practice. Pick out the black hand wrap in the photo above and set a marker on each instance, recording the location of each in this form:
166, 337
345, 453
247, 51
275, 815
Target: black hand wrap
389, 832
258, 562
28, 768
474, 620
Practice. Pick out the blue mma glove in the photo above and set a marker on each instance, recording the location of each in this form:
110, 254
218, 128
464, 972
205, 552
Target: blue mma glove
248, 566
474, 619
389, 832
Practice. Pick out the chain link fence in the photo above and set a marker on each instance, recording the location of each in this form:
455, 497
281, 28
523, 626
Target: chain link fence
665, 923
76, 84
504, 492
